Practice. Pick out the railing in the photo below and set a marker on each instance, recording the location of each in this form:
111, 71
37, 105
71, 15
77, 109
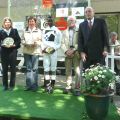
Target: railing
21, 63
110, 58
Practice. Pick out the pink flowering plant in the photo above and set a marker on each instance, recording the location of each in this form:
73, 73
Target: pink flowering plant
98, 79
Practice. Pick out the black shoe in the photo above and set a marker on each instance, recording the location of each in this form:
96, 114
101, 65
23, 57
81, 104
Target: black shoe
43, 86
66, 91
118, 93
11, 88
5, 88
52, 83
27, 89
49, 90
76, 93
34, 90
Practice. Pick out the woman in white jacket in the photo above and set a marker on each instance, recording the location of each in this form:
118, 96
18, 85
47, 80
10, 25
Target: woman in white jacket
31, 49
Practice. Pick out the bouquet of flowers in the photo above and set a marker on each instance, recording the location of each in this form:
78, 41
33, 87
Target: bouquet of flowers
98, 79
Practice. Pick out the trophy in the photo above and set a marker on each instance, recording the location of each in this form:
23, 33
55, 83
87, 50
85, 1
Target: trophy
49, 50
7, 42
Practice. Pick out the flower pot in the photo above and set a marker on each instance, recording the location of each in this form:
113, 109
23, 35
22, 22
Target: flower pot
97, 106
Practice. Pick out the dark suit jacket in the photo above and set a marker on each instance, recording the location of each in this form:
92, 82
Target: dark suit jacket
93, 41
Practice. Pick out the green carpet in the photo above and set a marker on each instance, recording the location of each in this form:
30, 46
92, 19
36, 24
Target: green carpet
39, 105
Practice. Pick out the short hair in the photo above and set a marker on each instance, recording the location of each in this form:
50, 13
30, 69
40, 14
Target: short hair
113, 34
89, 7
32, 18
49, 19
5, 19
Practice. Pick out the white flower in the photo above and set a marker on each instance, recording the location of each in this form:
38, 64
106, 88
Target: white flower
95, 78
99, 75
91, 66
83, 74
100, 72
90, 73
98, 81
104, 70
86, 70
103, 76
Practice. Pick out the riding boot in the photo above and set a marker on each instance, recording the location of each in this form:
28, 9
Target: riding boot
53, 77
52, 83
47, 81
47, 86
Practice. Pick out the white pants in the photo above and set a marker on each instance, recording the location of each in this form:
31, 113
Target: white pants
50, 62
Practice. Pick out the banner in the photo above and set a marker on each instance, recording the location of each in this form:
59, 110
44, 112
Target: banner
61, 24
18, 25
47, 3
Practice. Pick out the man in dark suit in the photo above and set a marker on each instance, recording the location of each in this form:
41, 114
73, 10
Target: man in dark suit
93, 40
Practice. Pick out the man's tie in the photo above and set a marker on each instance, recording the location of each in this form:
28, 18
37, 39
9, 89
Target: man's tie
90, 24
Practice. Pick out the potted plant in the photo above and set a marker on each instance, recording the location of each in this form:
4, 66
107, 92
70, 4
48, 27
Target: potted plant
97, 90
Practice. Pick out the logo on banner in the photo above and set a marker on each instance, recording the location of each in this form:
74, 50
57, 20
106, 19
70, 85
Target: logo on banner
61, 24
78, 11
44, 23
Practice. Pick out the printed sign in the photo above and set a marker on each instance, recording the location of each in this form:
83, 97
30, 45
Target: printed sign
18, 25
78, 11
61, 12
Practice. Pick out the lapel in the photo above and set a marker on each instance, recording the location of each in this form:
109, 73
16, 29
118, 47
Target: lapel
67, 36
94, 25
4, 33
11, 32
74, 38
86, 30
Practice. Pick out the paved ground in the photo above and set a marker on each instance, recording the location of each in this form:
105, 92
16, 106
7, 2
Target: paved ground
20, 80
117, 102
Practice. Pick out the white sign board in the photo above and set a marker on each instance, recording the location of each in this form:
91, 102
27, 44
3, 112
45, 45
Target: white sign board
78, 11
43, 24
18, 25
61, 12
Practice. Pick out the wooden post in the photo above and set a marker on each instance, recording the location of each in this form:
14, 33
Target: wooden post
118, 27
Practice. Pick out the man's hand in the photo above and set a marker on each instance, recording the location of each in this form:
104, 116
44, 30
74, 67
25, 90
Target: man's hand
49, 50
83, 56
105, 53
9, 46
44, 51
70, 53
